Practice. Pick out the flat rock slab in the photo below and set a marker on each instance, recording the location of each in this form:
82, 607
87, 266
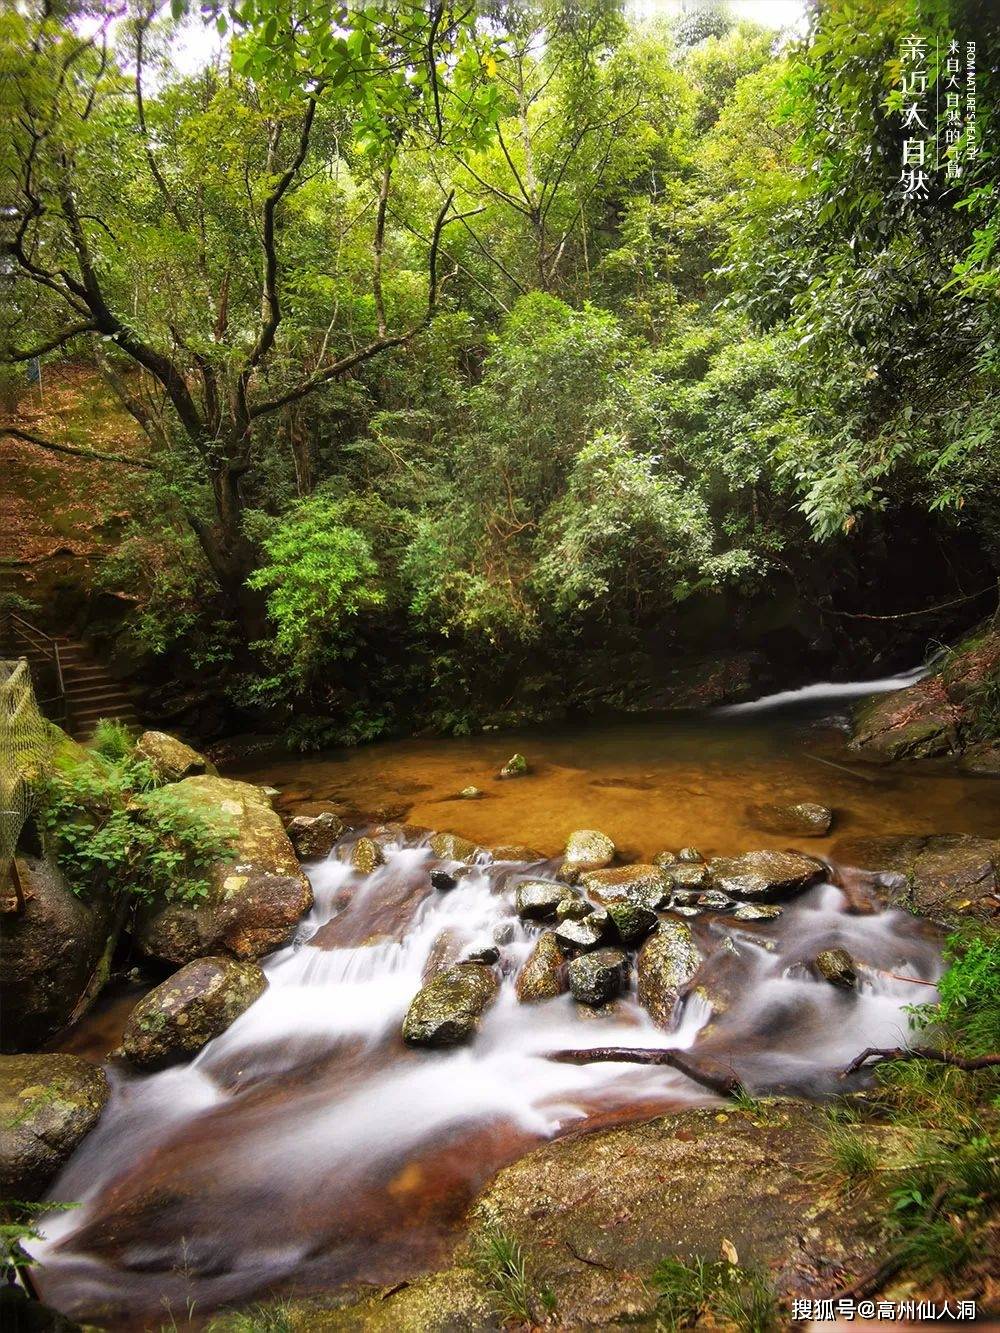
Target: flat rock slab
764, 876
645, 885
48, 1103
945, 877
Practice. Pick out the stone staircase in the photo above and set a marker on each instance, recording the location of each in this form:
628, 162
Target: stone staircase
73, 687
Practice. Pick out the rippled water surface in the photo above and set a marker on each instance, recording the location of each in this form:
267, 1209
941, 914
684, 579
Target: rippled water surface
307, 1146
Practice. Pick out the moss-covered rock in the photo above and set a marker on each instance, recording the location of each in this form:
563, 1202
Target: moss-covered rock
666, 963
314, 836
543, 975
169, 758
515, 767
804, 819
254, 901
447, 1010
47, 1104
452, 847
55, 954
595, 978
764, 875
367, 855
178, 1017
631, 921
837, 967
643, 885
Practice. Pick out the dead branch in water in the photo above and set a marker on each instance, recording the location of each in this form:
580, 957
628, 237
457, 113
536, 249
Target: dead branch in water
720, 1080
882, 1053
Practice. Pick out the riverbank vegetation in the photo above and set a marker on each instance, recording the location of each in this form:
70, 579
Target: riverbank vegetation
475, 365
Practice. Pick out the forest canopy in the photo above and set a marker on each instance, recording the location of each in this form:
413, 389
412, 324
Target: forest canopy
466, 341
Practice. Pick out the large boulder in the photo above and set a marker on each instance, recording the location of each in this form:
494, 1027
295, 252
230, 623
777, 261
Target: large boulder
644, 885
543, 975
666, 963
447, 1010
171, 759
254, 901
946, 877
586, 849
176, 1019
538, 899
55, 955
804, 819
313, 836
764, 875
47, 1104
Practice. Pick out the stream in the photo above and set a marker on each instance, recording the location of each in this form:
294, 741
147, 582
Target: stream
306, 1147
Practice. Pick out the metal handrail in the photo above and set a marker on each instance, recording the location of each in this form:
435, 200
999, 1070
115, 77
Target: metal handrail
37, 638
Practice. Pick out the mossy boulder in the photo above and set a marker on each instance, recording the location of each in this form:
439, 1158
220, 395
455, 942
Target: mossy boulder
598, 977
314, 836
169, 758
48, 1103
946, 877
55, 954
837, 967
446, 1012
366, 856
804, 819
764, 876
643, 885
515, 767
255, 900
543, 975
452, 847
631, 921
666, 963
178, 1017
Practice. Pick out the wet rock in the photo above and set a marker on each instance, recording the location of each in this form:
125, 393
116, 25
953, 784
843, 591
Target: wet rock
48, 1103
631, 921
690, 854
764, 875
586, 933
665, 859
538, 899
983, 759
686, 909
254, 901
503, 932
686, 874
486, 953
946, 877
586, 849
756, 911
516, 851
451, 847
447, 1011
442, 881
178, 1017
313, 836
643, 885
515, 767
170, 759
838, 967
573, 908
595, 978
605, 1208
666, 963
805, 819
367, 856
51, 949
713, 900
471, 793
543, 975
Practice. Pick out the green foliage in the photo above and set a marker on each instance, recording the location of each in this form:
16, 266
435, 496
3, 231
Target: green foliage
320, 574
503, 1266
854, 1159
688, 1292
112, 740
969, 1010
114, 832
19, 1223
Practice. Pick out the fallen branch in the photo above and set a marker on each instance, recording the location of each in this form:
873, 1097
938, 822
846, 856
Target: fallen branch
882, 1053
724, 1082
76, 451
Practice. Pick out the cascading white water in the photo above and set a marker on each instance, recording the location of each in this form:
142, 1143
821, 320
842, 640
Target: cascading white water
825, 693
307, 1142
